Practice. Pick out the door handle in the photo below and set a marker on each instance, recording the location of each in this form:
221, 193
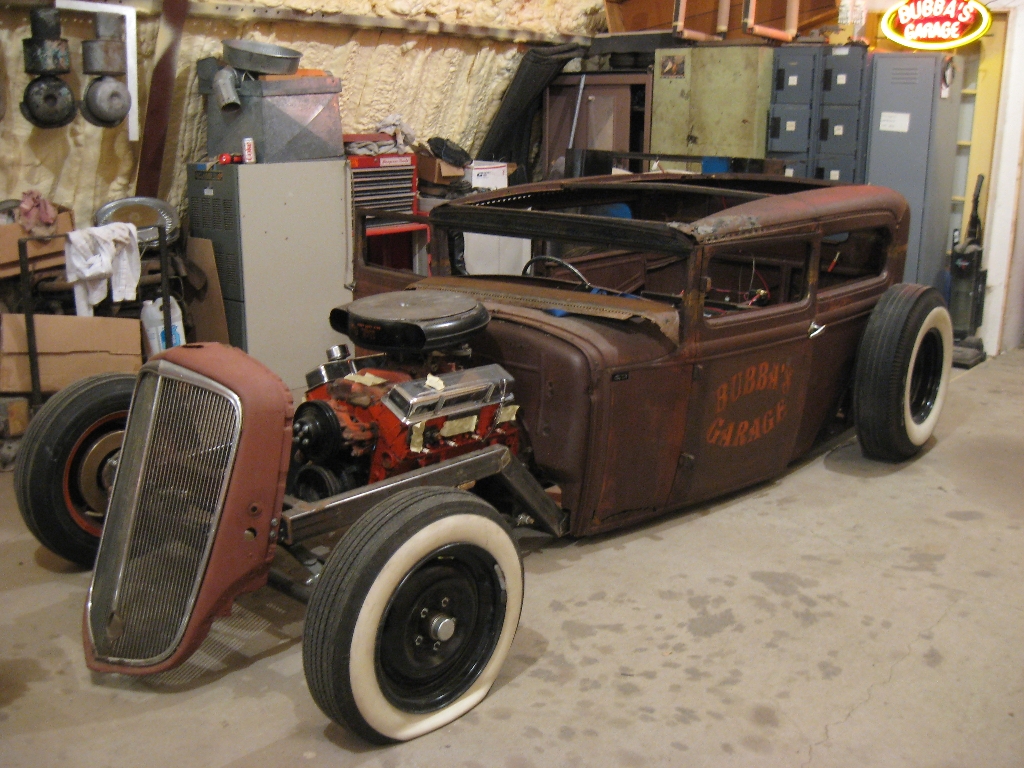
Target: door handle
815, 330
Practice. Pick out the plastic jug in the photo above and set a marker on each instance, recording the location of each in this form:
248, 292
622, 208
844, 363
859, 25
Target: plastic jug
153, 324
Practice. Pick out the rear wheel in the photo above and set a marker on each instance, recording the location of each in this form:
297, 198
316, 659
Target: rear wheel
67, 461
903, 370
413, 615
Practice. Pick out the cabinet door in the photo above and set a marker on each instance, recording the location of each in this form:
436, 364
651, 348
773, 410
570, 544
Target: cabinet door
836, 168
789, 128
712, 101
603, 121
841, 78
794, 75
838, 130
795, 166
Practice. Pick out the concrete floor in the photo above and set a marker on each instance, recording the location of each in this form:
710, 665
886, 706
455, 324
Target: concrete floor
847, 614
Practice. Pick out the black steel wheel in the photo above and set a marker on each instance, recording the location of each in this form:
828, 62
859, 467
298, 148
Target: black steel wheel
903, 370
67, 461
414, 614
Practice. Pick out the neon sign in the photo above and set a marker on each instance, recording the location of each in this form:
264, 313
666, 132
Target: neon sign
936, 25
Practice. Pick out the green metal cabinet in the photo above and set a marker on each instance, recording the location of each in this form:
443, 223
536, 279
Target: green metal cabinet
711, 101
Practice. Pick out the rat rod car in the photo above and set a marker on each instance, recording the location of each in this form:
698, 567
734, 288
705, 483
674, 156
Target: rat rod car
739, 320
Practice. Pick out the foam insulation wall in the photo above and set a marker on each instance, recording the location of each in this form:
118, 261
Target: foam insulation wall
81, 165
442, 86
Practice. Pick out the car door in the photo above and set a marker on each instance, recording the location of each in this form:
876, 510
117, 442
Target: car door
852, 276
751, 353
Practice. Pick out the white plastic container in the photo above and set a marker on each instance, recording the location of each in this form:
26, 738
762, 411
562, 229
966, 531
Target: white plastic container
152, 316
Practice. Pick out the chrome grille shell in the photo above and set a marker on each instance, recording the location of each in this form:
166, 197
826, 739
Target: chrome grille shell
165, 506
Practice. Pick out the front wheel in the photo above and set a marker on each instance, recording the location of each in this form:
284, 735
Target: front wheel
903, 370
66, 464
414, 614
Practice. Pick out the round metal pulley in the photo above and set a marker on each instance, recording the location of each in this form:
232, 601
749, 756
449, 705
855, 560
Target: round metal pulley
107, 102
49, 102
316, 431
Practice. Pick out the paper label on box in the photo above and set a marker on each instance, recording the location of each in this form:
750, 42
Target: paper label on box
793, 79
841, 51
837, 131
790, 125
894, 122
789, 171
833, 175
841, 78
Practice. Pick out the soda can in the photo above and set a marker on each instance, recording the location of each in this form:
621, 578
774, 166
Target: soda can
248, 150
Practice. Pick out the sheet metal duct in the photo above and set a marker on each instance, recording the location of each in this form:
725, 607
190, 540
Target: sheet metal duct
288, 120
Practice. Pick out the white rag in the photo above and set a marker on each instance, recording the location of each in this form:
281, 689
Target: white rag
97, 254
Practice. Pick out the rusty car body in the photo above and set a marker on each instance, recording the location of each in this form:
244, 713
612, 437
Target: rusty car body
709, 329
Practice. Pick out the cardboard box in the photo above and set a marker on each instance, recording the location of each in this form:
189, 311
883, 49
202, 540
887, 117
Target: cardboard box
70, 348
483, 174
207, 306
41, 253
436, 171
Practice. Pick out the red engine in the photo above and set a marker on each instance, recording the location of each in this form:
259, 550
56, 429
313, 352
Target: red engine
417, 402
373, 423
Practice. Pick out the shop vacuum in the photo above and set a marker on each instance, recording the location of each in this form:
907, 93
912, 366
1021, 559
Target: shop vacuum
967, 290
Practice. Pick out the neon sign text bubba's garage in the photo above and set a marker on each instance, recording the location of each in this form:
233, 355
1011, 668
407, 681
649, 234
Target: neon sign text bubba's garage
936, 24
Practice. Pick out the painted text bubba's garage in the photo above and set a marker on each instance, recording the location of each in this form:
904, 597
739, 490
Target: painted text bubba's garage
729, 432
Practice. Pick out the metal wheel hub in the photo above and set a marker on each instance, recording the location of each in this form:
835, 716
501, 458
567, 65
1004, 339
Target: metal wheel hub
440, 628
926, 376
96, 475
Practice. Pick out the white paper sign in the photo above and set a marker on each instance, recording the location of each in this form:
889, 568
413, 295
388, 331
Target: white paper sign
833, 175
792, 80
841, 51
789, 171
837, 131
790, 125
894, 122
841, 78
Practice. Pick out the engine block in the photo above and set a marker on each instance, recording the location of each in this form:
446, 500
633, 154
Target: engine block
389, 423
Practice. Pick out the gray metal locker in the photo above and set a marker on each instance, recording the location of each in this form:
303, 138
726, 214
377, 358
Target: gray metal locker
836, 168
796, 70
837, 130
842, 70
789, 128
912, 147
282, 238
